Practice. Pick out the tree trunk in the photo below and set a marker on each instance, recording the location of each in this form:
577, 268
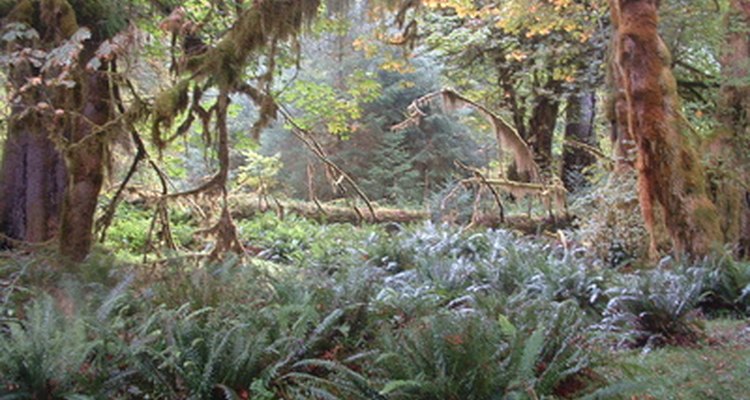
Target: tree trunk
32, 175
542, 126
84, 158
43, 191
670, 174
731, 160
579, 128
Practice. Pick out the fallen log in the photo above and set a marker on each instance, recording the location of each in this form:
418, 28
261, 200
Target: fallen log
242, 206
247, 206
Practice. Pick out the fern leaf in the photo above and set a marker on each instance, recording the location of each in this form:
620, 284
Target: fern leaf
394, 386
531, 352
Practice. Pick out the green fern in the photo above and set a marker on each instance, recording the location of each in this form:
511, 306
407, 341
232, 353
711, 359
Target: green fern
44, 354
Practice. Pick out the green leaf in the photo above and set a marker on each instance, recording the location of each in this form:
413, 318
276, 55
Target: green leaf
393, 386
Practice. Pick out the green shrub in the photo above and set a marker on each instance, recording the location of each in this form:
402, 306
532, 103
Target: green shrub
468, 355
656, 308
44, 355
728, 287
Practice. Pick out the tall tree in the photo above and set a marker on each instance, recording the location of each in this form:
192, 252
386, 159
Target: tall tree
53, 161
647, 108
521, 56
730, 157
71, 68
579, 133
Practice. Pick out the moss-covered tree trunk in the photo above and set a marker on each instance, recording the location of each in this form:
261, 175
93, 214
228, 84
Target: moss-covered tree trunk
579, 128
539, 131
53, 160
670, 174
730, 147
84, 157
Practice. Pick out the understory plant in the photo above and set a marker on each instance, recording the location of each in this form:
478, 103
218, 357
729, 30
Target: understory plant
461, 315
655, 308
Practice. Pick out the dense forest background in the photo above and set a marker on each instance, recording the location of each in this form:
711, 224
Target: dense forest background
382, 199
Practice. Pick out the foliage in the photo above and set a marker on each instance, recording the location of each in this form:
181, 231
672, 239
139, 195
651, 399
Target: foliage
466, 355
613, 229
294, 239
129, 233
45, 354
728, 287
392, 167
417, 312
325, 326
258, 171
656, 308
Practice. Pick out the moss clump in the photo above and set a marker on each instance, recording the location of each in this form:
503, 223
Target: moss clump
265, 21
52, 18
59, 14
22, 12
167, 106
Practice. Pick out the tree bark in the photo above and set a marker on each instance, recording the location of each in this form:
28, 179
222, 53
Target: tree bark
84, 158
731, 160
670, 174
53, 160
542, 126
579, 127
32, 173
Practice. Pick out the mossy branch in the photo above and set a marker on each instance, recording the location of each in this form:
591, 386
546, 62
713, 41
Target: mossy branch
507, 137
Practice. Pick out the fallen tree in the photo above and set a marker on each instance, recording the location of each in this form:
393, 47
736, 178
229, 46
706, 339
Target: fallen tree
248, 205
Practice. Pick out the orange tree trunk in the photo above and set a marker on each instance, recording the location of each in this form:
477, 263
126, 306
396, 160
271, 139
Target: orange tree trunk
669, 171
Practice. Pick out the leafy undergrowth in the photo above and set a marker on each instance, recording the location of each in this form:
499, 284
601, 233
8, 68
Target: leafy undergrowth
343, 312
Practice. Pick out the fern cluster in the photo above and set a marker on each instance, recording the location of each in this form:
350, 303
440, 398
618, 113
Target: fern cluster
423, 313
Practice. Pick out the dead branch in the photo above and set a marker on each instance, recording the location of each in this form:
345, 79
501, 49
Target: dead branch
477, 173
507, 137
308, 139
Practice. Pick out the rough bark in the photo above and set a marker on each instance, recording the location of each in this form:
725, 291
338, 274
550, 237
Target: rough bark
579, 128
53, 161
32, 173
730, 159
542, 126
84, 158
670, 175
31, 182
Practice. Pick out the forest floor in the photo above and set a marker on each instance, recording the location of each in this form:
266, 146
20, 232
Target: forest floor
364, 312
719, 369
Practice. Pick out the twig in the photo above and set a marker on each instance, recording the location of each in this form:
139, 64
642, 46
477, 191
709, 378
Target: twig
307, 138
481, 176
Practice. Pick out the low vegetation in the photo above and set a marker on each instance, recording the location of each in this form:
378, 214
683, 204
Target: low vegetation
344, 312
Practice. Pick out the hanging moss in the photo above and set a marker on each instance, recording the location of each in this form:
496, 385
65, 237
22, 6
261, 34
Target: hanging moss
254, 29
167, 106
